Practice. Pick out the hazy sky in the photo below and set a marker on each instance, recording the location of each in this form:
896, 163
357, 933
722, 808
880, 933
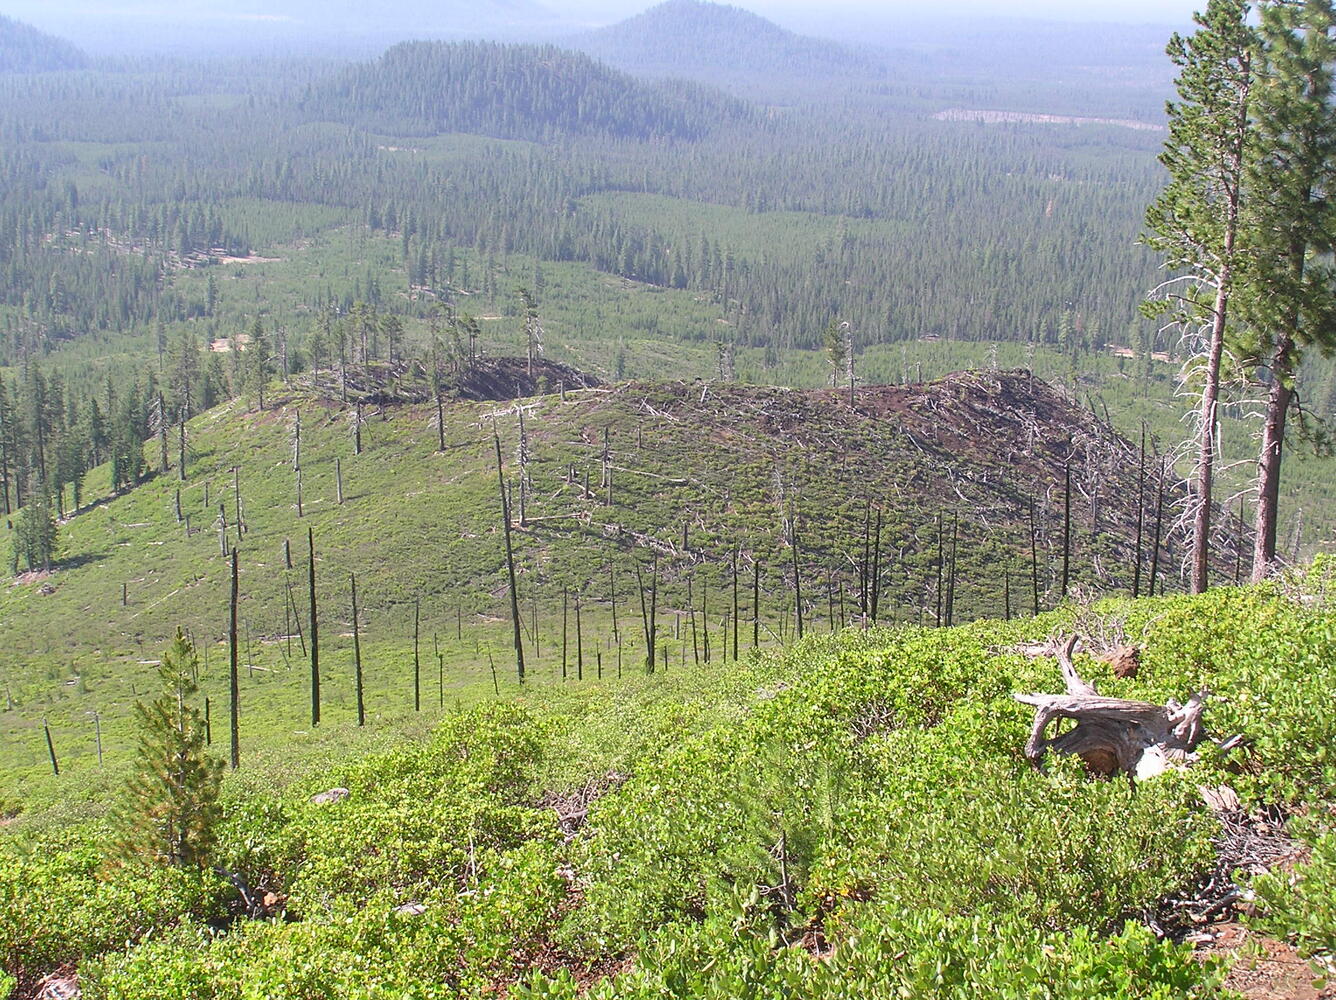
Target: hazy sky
1123, 11
356, 27
806, 11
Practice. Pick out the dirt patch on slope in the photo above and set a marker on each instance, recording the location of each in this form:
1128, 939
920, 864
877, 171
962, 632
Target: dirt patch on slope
1261, 968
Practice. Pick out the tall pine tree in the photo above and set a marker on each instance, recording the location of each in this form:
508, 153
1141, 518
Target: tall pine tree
1292, 226
1195, 221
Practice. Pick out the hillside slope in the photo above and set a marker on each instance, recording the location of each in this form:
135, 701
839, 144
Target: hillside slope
699, 474
512, 91
699, 38
24, 49
852, 817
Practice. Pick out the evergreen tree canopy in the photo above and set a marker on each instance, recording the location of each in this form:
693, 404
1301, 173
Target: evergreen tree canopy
171, 807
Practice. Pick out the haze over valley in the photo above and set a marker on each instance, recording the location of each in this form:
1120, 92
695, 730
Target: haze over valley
576, 498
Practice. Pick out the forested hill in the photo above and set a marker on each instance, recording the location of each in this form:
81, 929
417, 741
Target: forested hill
24, 49
514, 92
695, 37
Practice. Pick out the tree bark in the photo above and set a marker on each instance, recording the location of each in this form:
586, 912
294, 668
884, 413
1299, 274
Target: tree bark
1210, 397
233, 681
315, 630
1278, 404
510, 561
1112, 735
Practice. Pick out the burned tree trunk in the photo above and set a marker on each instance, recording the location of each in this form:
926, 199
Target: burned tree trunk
1113, 735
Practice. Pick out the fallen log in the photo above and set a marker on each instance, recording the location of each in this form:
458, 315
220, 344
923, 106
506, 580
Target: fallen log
1113, 735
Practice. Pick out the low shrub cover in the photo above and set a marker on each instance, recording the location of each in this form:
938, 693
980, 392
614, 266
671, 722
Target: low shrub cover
854, 818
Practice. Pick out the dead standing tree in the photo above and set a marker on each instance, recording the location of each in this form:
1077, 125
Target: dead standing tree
1113, 735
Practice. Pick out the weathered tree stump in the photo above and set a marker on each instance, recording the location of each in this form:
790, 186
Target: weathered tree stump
1113, 735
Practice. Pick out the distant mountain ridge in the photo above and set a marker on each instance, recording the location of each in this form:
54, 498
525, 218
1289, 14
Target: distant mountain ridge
694, 37
513, 91
24, 49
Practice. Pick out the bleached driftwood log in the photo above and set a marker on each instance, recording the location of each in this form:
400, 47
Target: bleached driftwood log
1113, 735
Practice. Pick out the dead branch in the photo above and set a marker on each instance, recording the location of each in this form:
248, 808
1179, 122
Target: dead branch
1113, 735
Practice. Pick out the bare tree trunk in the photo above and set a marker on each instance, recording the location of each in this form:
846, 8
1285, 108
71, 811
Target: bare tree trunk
1239, 543
797, 578
233, 679
357, 655
1210, 396
876, 570
510, 560
1141, 514
735, 605
1265, 522
314, 626
1034, 561
951, 574
756, 603
1159, 525
941, 566
162, 434
1066, 525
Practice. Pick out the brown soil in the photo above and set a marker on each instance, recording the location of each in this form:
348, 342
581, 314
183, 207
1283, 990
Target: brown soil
1261, 968
513, 378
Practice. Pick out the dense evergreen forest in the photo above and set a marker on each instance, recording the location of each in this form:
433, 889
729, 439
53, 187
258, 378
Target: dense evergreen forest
513, 92
24, 49
132, 195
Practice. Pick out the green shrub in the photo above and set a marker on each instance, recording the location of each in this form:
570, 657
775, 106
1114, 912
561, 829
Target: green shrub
421, 818
1301, 905
881, 952
59, 902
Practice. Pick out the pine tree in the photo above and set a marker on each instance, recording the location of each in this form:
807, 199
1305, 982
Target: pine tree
533, 327
34, 533
1195, 222
170, 810
256, 362
1292, 222
833, 341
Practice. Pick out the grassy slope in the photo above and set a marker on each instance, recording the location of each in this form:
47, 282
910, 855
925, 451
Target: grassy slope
924, 855
725, 463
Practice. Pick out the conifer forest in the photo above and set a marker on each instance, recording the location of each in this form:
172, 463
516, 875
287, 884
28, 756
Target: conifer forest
539, 502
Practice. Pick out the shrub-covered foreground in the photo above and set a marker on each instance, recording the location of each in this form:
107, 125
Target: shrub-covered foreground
853, 819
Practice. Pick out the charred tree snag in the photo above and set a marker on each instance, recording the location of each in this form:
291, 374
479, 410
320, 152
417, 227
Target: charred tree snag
315, 629
1141, 515
756, 603
1034, 561
510, 560
1066, 525
1159, 524
234, 684
1113, 735
357, 655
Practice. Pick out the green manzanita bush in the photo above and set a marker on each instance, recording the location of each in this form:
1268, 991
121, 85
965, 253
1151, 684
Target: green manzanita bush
459, 945
1301, 905
888, 764
419, 818
879, 951
951, 828
60, 901
1270, 664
